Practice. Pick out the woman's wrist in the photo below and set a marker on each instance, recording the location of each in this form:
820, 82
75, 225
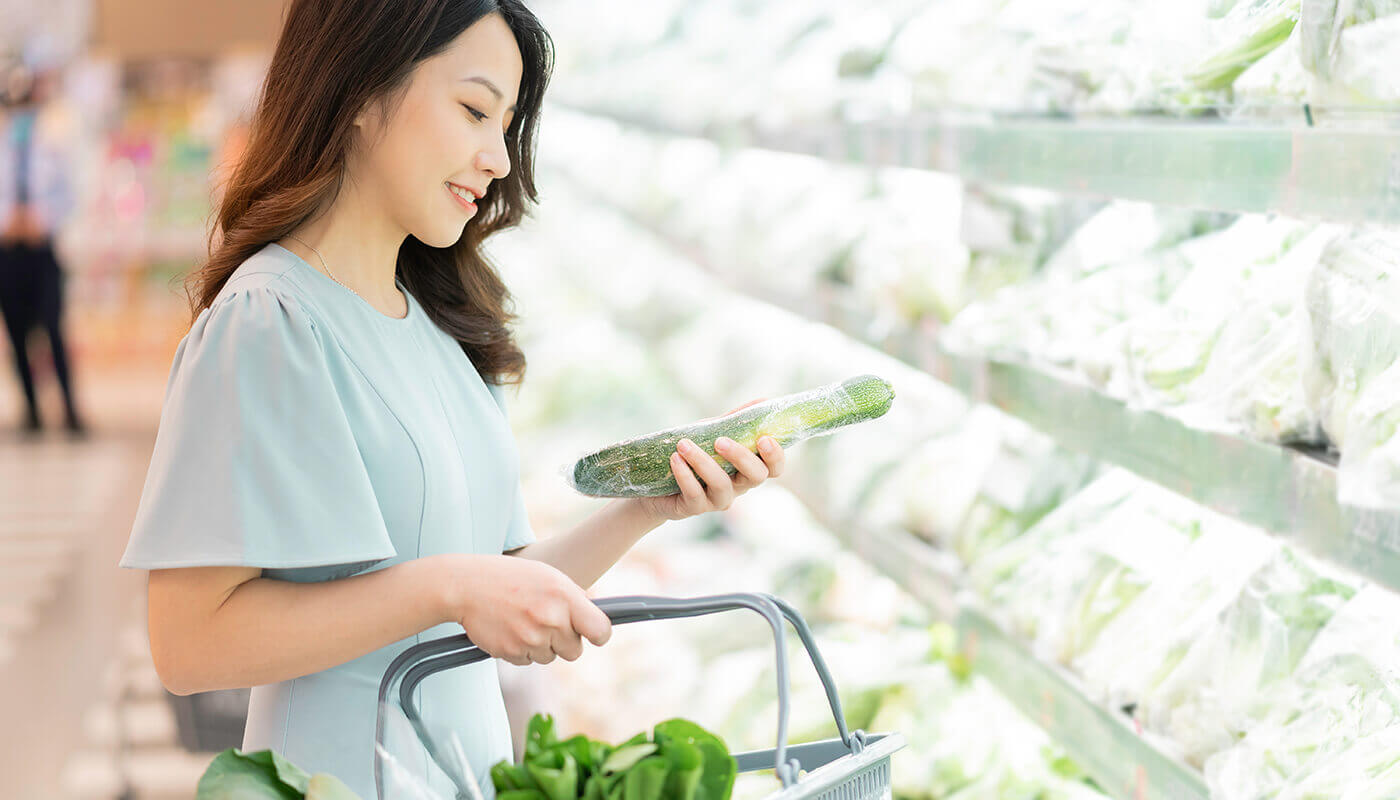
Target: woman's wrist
643, 512
446, 586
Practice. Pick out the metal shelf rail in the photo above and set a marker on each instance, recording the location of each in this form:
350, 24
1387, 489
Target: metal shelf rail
1344, 172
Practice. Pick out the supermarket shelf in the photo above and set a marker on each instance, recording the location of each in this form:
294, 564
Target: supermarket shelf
1124, 762
1289, 493
1346, 173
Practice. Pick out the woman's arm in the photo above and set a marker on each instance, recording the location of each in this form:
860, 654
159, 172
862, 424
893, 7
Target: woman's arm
590, 549
228, 627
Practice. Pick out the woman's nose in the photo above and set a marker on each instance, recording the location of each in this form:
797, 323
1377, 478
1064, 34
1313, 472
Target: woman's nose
494, 159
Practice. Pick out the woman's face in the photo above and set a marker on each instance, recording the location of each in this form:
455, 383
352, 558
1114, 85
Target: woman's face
449, 130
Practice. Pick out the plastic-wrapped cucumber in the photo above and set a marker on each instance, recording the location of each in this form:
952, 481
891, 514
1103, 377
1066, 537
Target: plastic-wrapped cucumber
640, 467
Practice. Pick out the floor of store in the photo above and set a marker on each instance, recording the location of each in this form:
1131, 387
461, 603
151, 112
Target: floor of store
73, 653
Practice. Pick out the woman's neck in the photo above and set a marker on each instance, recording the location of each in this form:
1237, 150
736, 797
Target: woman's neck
360, 245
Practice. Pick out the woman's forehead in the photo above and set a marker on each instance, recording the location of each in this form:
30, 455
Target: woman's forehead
486, 54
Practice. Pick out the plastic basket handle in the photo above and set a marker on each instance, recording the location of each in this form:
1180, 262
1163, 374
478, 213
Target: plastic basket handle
419, 661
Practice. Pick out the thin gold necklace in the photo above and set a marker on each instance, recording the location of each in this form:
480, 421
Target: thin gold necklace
323, 265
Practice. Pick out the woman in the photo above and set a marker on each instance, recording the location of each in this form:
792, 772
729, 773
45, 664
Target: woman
335, 409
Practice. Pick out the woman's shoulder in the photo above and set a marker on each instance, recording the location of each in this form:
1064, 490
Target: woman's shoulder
259, 308
265, 280
267, 270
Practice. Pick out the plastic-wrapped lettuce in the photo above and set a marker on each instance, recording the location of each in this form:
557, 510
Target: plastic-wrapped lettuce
1345, 690
1353, 302
1348, 46
978, 485
1117, 264
1232, 669
908, 263
1142, 645
1012, 231
1253, 379
1070, 575
1168, 348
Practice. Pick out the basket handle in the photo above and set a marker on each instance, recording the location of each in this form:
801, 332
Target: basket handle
421, 660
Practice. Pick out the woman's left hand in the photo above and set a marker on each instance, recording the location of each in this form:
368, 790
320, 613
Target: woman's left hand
691, 465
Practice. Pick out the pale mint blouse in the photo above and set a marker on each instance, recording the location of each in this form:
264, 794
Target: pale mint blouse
309, 434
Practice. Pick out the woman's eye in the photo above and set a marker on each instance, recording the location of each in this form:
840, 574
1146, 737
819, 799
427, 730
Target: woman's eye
479, 116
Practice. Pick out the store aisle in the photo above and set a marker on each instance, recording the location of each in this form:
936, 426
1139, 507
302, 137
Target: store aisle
65, 510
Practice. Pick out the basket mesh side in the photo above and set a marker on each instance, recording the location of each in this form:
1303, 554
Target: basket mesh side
872, 783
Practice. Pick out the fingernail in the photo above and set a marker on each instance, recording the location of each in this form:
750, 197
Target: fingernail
686, 444
767, 443
723, 441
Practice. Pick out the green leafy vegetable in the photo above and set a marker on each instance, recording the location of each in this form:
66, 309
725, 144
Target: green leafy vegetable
236, 775
678, 760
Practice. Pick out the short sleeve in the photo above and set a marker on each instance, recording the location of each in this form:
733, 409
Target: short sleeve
518, 532
255, 463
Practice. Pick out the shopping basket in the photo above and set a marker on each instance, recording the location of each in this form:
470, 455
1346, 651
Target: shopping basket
855, 766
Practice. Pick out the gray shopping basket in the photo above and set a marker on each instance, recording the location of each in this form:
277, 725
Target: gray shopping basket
855, 766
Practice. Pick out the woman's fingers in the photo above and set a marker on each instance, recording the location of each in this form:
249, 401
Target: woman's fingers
590, 621
750, 466
718, 488
773, 456
568, 645
691, 489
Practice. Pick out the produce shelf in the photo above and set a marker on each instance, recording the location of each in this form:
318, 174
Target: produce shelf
1290, 493
1345, 172
1124, 762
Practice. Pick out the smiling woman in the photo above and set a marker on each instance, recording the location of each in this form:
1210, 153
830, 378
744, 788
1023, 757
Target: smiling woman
392, 138
334, 478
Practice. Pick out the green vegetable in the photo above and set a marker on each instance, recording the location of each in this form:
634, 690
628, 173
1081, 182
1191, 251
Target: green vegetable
678, 761
236, 775
640, 467
1220, 69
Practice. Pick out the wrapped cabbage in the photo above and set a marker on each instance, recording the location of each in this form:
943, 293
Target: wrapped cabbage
1344, 691
1233, 669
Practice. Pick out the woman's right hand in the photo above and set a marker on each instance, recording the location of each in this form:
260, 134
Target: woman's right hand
522, 611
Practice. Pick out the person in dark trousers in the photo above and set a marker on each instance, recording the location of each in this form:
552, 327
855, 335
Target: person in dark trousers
34, 198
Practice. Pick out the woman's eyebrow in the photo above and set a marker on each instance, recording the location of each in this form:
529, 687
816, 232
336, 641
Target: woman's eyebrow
489, 85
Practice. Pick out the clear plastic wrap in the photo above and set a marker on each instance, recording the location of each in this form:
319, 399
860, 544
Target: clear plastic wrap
1144, 644
1344, 691
1168, 349
1086, 562
640, 466
1118, 264
1348, 47
425, 762
1354, 320
1253, 380
1232, 671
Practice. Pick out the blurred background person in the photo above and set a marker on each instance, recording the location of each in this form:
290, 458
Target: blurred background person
35, 198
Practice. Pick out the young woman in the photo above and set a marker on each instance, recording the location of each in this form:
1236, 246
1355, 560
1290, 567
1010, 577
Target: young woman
334, 478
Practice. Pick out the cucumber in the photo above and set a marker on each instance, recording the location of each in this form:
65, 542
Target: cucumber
641, 466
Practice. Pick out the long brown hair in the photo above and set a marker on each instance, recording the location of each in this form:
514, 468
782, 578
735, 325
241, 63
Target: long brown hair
332, 58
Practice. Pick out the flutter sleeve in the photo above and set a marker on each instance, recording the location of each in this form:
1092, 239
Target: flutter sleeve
255, 462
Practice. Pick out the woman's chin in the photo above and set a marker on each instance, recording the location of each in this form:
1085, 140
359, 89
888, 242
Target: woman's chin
444, 236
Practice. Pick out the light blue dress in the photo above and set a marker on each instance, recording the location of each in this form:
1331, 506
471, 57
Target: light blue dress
309, 434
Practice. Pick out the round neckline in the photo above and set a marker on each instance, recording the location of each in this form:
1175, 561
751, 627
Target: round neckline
348, 294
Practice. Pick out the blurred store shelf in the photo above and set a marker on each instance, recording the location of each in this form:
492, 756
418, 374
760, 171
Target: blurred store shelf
1347, 172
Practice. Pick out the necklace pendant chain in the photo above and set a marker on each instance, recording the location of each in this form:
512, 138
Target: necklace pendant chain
323, 265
